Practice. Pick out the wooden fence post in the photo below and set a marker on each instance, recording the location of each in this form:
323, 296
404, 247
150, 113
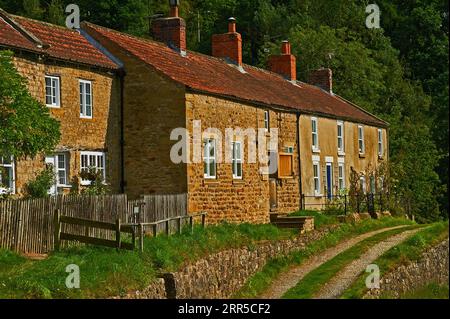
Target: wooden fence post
57, 230
203, 220
155, 230
167, 227
141, 237
191, 224
179, 225
118, 233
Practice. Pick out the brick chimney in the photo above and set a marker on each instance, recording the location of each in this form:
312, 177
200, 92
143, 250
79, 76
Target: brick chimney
171, 30
322, 78
229, 45
284, 64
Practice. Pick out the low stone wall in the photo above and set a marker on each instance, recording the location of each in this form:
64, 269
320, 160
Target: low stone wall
222, 274
432, 267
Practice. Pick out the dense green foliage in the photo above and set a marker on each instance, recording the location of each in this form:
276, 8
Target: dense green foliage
26, 127
38, 188
398, 72
105, 272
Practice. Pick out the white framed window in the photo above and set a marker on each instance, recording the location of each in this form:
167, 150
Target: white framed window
209, 158
340, 137
361, 143
237, 160
93, 160
380, 143
316, 176
85, 99
315, 134
62, 169
266, 120
341, 176
362, 184
52, 91
7, 180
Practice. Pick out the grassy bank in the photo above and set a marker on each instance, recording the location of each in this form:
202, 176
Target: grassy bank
320, 219
316, 279
430, 291
262, 280
409, 250
106, 272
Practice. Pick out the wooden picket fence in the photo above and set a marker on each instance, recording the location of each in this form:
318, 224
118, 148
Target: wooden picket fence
27, 226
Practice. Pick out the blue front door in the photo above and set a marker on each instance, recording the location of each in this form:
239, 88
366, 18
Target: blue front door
329, 181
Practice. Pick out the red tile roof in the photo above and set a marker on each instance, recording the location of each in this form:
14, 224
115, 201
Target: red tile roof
214, 76
64, 43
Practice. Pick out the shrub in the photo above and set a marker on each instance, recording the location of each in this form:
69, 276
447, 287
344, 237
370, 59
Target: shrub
39, 187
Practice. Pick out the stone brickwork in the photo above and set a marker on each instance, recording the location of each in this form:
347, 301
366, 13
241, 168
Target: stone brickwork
101, 133
432, 267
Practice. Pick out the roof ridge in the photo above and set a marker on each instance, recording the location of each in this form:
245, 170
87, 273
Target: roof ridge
22, 30
43, 22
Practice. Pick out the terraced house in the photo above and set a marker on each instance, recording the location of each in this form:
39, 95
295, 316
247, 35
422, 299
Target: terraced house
164, 86
80, 86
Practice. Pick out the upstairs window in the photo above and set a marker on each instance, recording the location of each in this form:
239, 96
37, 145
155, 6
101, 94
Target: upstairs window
340, 137
52, 91
266, 120
362, 184
237, 160
7, 183
361, 144
380, 143
85, 99
209, 158
94, 161
315, 134
285, 165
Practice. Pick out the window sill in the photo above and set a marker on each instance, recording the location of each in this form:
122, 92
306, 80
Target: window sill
66, 186
362, 155
286, 177
340, 153
53, 106
316, 150
318, 195
380, 157
210, 182
86, 117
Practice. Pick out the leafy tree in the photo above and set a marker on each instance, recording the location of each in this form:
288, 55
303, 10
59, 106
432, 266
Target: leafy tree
26, 127
55, 13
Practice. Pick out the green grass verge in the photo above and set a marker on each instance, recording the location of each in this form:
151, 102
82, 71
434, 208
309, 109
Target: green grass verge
409, 250
106, 272
320, 219
316, 279
259, 282
430, 291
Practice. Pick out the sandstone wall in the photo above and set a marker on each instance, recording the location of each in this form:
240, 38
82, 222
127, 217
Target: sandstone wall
432, 267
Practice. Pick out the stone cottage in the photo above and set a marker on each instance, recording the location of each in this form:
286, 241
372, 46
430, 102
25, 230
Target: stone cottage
80, 86
153, 89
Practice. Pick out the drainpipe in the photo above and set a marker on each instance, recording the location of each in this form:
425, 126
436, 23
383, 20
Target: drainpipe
299, 162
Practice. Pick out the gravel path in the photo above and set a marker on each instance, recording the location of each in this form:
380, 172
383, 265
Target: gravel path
290, 278
337, 285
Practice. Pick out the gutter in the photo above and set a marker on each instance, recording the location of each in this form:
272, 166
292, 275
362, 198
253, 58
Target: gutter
122, 129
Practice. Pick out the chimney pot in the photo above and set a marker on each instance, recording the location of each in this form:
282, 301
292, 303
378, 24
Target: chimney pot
232, 25
285, 47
